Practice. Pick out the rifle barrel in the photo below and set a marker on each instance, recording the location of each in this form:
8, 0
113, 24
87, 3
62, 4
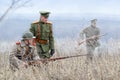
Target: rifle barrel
59, 58
52, 59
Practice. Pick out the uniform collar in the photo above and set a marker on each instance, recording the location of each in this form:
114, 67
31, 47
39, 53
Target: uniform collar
93, 26
42, 22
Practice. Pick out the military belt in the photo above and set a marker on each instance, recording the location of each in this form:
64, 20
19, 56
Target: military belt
41, 41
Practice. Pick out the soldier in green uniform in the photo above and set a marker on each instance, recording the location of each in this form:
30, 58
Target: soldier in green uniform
91, 32
43, 32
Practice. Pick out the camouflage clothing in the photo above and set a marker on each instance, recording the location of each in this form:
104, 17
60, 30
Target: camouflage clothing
22, 52
44, 38
26, 51
15, 63
93, 43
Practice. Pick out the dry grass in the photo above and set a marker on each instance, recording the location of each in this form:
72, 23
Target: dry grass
104, 67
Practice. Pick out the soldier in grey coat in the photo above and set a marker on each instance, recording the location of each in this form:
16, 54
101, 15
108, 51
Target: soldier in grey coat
91, 32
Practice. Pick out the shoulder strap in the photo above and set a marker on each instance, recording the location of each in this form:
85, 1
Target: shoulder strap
35, 22
50, 28
38, 31
50, 24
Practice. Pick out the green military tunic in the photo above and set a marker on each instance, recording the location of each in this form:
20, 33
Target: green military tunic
45, 33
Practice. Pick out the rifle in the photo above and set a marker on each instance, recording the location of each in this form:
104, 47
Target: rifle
51, 59
91, 38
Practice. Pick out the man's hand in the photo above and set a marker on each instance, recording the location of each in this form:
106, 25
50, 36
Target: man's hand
95, 37
52, 52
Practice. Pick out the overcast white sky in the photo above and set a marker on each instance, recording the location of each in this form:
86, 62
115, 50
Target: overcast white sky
68, 7
110, 9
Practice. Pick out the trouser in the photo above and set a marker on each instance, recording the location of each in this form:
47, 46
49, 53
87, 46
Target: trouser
90, 51
42, 54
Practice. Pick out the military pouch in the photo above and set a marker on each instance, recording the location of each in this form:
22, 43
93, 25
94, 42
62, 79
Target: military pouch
45, 47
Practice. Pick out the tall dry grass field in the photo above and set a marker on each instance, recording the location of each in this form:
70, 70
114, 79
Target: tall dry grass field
105, 66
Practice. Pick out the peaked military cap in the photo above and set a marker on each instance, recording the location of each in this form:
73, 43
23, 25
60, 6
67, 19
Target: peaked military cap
45, 13
94, 20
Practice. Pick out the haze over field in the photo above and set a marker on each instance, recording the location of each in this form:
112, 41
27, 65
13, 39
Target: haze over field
14, 28
69, 17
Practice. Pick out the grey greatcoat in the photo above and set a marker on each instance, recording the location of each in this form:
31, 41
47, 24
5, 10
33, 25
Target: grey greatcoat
93, 43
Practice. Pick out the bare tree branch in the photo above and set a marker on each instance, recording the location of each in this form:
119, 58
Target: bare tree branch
22, 5
14, 2
6, 12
